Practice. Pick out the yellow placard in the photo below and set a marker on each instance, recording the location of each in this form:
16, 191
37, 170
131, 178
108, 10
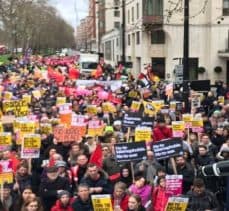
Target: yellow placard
178, 126
27, 98
37, 94
1, 128
221, 99
177, 203
187, 117
108, 107
45, 128
143, 134
32, 141
60, 100
6, 177
102, 203
149, 108
8, 95
5, 139
158, 104
27, 127
196, 123
92, 109
135, 106
95, 131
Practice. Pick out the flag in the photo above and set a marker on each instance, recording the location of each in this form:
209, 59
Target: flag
96, 156
52, 162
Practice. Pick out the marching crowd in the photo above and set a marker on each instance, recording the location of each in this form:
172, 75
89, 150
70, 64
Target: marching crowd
68, 173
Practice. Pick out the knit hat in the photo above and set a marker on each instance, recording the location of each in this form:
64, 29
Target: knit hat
60, 163
63, 193
52, 169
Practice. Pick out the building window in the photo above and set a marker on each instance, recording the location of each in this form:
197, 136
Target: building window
116, 13
158, 37
128, 14
137, 38
137, 10
152, 7
117, 25
226, 7
132, 14
128, 39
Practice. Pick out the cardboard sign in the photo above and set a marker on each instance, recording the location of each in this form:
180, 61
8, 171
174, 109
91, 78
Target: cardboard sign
177, 203
92, 109
135, 106
95, 128
5, 141
31, 145
60, 101
101, 202
135, 151
187, 118
132, 119
143, 134
69, 134
45, 128
178, 128
168, 148
174, 184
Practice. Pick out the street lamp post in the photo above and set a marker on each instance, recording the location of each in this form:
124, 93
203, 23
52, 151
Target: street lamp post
123, 32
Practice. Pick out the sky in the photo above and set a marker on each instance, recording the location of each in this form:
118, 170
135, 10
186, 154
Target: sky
68, 8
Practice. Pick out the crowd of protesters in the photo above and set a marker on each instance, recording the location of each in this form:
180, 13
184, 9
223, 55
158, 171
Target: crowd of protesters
64, 177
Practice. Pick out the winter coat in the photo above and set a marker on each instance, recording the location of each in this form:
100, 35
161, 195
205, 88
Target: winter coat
160, 133
24, 181
48, 190
79, 205
59, 207
123, 202
144, 192
111, 166
100, 182
160, 199
204, 160
206, 201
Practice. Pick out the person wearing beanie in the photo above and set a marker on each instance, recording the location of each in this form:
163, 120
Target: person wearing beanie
64, 202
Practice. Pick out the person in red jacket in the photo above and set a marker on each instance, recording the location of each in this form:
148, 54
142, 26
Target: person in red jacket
160, 198
64, 203
161, 131
120, 198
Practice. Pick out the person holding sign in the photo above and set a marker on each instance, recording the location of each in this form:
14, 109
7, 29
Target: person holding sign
200, 198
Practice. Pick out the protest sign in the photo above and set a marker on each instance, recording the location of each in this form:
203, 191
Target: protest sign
178, 128
147, 122
149, 108
8, 95
132, 119
95, 128
27, 98
197, 125
36, 94
92, 109
168, 148
135, 106
65, 108
60, 101
5, 141
66, 118
6, 172
45, 128
1, 128
196, 100
101, 202
108, 107
27, 127
187, 118
78, 120
68, 134
31, 146
134, 151
221, 99
177, 204
14, 105
143, 134
174, 185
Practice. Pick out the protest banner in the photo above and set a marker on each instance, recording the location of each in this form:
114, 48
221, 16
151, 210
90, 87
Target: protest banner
101, 202
132, 119
45, 128
69, 134
95, 128
92, 109
168, 148
5, 141
134, 151
143, 134
177, 204
60, 101
178, 128
31, 145
135, 106
174, 184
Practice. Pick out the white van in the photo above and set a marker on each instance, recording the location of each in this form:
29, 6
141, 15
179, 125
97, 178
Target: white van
88, 62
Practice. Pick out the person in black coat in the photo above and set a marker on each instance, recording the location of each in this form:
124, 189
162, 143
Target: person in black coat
83, 202
203, 158
51, 186
96, 180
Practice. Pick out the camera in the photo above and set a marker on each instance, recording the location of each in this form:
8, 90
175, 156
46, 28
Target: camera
216, 169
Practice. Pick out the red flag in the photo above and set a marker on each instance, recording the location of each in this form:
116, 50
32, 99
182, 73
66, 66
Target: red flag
52, 162
96, 156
